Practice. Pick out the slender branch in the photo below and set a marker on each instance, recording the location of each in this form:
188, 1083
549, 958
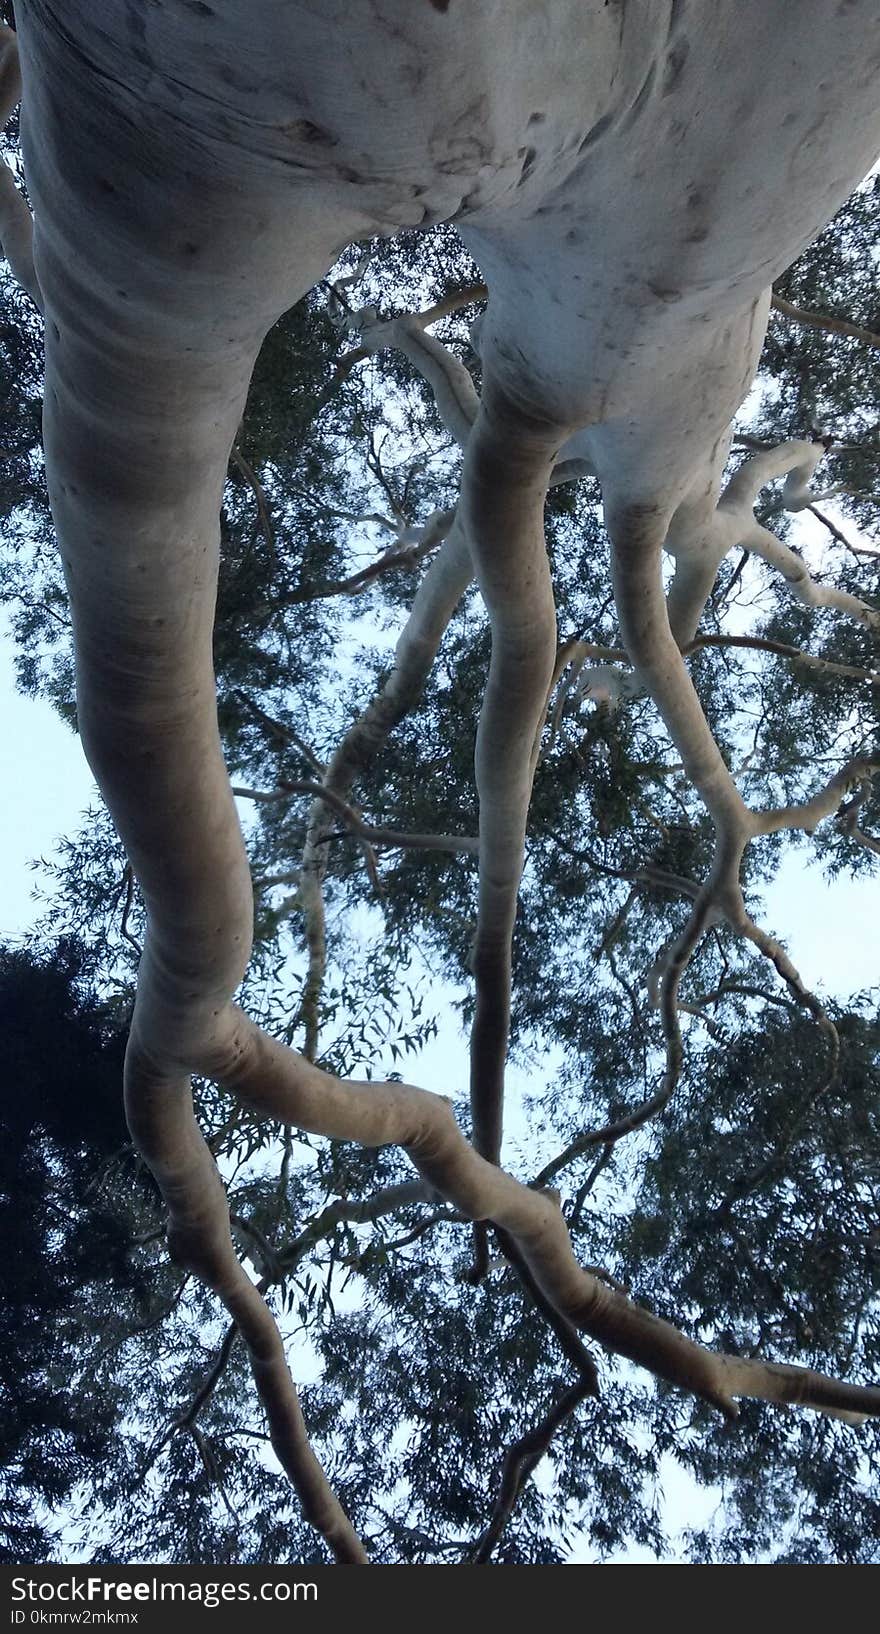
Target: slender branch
209, 1463
470, 295
246, 470
435, 602
209, 1383
775, 952
281, 730
346, 1212
757, 643
581, 650
264, 1259
161, 1315
390, 837
128, 903
199, 1240
671, 972
826, 321
840, 536
521, 1458
441, 1216
567, 1337
646, 873
287, 1260
615, 926
747, 990
711, 1025
422, 541
581, 1196
458, 406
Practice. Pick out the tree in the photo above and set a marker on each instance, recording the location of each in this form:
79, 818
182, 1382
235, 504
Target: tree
62, 1122
636, 385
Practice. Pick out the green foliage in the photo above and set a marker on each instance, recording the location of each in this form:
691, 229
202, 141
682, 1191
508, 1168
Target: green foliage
63, 1130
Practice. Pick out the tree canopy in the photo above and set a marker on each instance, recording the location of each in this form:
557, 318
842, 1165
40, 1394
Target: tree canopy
709, 1124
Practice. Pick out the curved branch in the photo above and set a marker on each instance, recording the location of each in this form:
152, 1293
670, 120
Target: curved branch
809, 813
287, 1259
838, 534
761, 542
577, 652
277, 1083
826, 321
759, 643
455, 843
246, 470
199, 1240
454, 391
432, 314
420, 542
701, 532
848, 820
519, 1461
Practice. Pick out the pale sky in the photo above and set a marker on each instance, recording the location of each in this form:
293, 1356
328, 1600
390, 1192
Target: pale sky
46, 785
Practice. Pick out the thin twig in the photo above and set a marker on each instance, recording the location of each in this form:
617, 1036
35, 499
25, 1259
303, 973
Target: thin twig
127, 905
246, 470
521, 1458
456, 843
840, 536
281, 730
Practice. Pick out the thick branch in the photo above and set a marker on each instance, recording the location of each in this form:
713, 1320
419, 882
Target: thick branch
504, 482
761, 542
199, 1239
809, 813
278, 1083
701, 532
16, 223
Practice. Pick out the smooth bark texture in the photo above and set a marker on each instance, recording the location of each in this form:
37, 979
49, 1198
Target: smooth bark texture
631, 178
